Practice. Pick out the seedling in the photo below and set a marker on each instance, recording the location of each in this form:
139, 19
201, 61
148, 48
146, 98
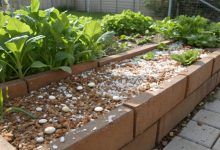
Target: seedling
162, 46
11, 109
187, 58
149, 56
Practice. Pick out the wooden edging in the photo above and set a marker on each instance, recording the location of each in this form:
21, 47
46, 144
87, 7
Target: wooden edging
147, 118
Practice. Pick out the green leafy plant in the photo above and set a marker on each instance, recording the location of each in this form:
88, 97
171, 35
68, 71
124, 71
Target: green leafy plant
149, 56
143, 41
11, 109
163, 46
127, 23
195, 31
187, 58
92, 42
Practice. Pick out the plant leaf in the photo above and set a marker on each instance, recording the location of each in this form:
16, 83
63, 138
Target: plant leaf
38, 64
18, 26
35, 5
17, 110
66, 69
16, 44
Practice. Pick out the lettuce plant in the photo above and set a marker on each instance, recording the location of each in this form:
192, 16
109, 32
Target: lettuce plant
127, 23
187, 58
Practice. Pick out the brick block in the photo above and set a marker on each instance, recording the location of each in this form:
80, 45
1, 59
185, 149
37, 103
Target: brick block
180, 111
198, 73
16, 88
39, 80
5, 145
216, 63
145, 141
79, 68
106, 136
150, 106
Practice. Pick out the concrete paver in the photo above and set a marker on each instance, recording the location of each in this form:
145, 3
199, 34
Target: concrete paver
213, 106
217, 94
179, 143
208, 117
201, 134
217, 145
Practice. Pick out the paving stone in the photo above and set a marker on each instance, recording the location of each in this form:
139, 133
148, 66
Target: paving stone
217, 145
217, 94
200, 133
213, 106
179, 143
208, 117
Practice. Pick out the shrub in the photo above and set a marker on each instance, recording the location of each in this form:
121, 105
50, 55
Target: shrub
127, 23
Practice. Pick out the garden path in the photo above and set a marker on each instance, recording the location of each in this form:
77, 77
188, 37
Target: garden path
203, 131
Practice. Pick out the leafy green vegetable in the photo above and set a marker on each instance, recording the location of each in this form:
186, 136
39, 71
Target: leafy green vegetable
149, 56
127, 23
187, 58
163, 46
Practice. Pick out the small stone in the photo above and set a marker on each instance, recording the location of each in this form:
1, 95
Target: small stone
171, 134
51, 97
164, 143
49, 130
98, 109
39, 109
79, 88
39, 139
40, 97
66, 109
62, 139
42, 121
69, 95
54, 146
116, 98
91, 84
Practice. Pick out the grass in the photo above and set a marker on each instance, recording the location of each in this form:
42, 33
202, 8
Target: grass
94, 15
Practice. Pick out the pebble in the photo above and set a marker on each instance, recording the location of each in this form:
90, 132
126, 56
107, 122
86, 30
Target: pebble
54, 146
39, 109
40, 97
62, 139
39, 139
171, 134
116, 98
51, 97
49, 130
66, 109
69, 95
79, 88
98, 109
42, 121
91, 84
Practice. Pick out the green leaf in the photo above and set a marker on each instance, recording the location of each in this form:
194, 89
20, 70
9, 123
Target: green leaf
38, 64
36, 38
92, 29
60, 56
18, 26
106, 38
66, 69
16, 44
35, 5
17, 110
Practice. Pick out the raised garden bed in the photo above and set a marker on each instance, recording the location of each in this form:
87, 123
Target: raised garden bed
146, 87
